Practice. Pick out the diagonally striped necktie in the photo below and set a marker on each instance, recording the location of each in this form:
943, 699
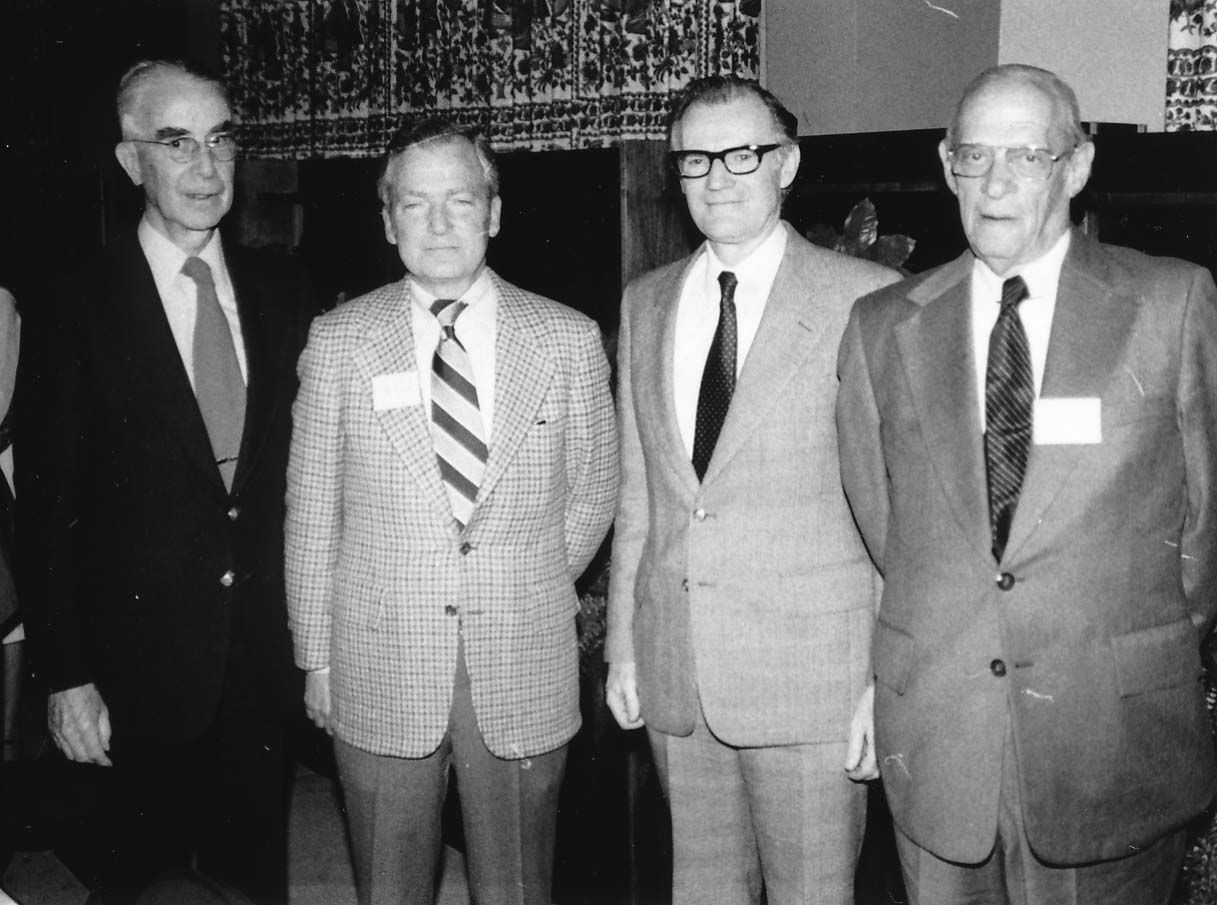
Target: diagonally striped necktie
460, 441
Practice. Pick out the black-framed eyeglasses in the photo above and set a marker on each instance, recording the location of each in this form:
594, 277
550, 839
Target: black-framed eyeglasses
739, 161
184, 148
1026, 163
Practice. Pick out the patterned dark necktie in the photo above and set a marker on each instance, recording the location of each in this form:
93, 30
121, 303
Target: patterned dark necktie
718, 378
460, 439
1009, 392
218, 385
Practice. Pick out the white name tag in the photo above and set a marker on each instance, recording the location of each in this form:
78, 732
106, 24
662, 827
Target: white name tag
1061, 420
395, 391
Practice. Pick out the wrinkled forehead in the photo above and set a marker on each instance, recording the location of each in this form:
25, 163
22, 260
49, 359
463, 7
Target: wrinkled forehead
714, 125
1013, 114
176, 103
448, 161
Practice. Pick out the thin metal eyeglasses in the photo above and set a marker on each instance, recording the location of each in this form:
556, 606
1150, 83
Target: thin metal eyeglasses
184, 149
739, 161
1024, 162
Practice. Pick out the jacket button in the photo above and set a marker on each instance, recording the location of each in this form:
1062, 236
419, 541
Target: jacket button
699, 515
1005, 581
233, 514
998, 668
228, 578
449, 610
465, 548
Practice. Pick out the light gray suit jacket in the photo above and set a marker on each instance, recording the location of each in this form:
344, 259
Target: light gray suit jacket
752, 589
379, 577
1088, 648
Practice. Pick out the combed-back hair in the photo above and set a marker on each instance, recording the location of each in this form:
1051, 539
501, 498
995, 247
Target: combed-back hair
137, 77
437, 129
1066, 115
720, 89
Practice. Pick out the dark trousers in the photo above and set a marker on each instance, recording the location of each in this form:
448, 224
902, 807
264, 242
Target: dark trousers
509, 811
217, 804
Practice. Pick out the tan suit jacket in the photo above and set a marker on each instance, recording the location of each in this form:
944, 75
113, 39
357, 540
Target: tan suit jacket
1084, 639
751, 590
380, 580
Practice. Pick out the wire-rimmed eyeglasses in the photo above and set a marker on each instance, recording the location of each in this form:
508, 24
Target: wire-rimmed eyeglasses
184, 148
1024, 162
739, 161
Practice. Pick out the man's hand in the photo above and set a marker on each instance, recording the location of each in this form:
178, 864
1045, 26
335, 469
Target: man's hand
621, 692
860, 763
80, 724
317, 698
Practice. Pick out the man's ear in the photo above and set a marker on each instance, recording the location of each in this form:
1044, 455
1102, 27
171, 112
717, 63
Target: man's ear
1079, 165
790, 164
492, 222
128, 158
945, 156
390, 232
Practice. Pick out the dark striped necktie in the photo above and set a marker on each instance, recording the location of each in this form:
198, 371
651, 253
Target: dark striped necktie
1009, 392
718, 378
460, 439
218, 385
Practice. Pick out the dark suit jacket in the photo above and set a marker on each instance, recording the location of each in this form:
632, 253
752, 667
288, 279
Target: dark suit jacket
139, 570
1088, 647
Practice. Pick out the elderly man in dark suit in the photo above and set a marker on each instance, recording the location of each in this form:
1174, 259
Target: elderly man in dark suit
155, 392
1027, 440
741, 597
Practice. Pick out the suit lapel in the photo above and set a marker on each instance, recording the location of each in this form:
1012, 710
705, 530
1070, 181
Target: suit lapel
943, 389
792, 324
389, 349
522, 374
1090, 328
656, 341
159, 375
258, 335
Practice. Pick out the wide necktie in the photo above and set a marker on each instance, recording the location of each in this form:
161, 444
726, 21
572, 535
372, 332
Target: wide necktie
460, 438
1009, 392
218, 384
718, 378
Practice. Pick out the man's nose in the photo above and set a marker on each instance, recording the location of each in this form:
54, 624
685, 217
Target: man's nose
719, 175
439, 222
1000, 179
205, 161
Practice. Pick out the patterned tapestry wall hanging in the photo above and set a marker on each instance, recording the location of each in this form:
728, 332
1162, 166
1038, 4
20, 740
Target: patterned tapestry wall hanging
335, 78
1191, 67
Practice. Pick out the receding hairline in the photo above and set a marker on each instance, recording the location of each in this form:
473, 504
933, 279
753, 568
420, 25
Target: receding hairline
1066, 115
386, 186
135, 82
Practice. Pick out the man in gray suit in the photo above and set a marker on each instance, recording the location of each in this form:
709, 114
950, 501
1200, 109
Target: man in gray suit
453, 469
741, 597
1027, 442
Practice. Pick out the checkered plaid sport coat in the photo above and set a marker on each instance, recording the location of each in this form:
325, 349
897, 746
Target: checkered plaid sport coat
381, 581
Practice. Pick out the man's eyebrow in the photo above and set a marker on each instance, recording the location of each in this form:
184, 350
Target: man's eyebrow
227, 126
170, 132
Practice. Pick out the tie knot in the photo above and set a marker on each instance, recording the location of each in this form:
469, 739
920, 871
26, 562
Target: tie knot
197, 269
446, 311
727, 281
1013, 291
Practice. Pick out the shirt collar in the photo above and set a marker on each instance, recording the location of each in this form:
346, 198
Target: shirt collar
478, 295
166, 259
755, 272
1041, 275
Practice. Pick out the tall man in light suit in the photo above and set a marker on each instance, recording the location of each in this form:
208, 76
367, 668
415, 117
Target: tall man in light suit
154, 396
453, 470
1027, 440
741, 597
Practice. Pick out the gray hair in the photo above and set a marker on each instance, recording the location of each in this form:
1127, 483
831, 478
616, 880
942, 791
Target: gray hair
136, 79
436, 129
1066, 115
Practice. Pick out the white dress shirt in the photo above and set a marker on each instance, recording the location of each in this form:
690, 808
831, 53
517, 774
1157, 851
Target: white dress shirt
697, 319
475, 328
179, 293
1035, 311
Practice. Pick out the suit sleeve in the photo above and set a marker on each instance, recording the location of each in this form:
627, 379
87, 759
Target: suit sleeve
51, 465
1198, 424
591, 454
863, 470
313, 528
630, 527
